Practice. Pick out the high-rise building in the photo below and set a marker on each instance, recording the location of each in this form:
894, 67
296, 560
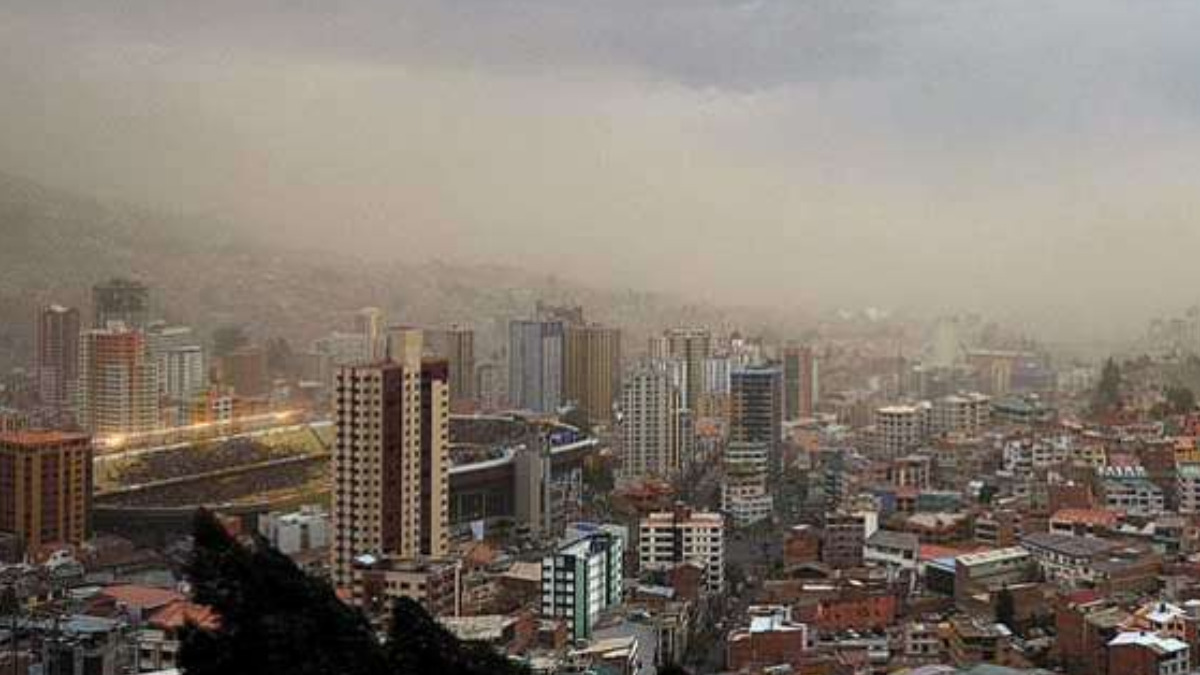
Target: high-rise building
118, 382
582, 578
656, 431
456, 344
45, 487
121, 300
756, 406
368, 323
669, 538
592, 378
801, 382
57, 354
535, 365
245, 369
489, 386
691, 346
182, 374
391, 457
179, 359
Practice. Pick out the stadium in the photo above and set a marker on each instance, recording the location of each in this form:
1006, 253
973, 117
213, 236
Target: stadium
499, 472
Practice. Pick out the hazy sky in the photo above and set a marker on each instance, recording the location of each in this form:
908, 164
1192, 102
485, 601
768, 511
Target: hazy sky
1034, 156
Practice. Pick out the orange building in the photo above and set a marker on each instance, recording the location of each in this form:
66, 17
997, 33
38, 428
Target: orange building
45, 487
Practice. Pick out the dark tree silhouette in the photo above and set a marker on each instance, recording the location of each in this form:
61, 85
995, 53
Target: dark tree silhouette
274, 618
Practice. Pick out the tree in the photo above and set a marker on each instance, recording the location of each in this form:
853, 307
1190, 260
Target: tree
1006, 610
1107, 396
274, 618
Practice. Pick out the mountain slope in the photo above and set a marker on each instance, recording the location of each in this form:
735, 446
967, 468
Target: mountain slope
56, 245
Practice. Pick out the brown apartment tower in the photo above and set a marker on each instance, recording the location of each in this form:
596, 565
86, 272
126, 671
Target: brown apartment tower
391, 457
57, 354
592, 370
45, 487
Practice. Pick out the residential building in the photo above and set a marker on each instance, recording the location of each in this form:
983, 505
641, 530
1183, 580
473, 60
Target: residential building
988, 571
182, 373
45, 487
1128, 490
369, 327
179, 360
691, 347
1066, 558
57, 356
592, 377
535, 365
582, 578
1141, 653
1187, 487
844, 539
118, 382
900, 429
376, 582
970, 641
669, 538
895, 551
245, 369
391, 457
297, 531
967, 414
744, 494
656, 432
771, 640
997, 528
801, 382
456, 345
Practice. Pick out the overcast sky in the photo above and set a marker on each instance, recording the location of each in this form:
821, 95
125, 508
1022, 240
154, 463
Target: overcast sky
1034, 158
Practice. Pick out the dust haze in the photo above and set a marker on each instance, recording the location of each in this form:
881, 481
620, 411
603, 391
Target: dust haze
1038, 160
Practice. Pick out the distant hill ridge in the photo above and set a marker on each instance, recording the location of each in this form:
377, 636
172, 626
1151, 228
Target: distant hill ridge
56, 244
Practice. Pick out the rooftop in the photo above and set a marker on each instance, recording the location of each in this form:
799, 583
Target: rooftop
890, 539
1068, 545
997, 555
1085, 517
1152, 641
484, 628
142, 597
41, 438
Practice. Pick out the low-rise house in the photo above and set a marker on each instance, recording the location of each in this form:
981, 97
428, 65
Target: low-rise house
771, 639
1141, 653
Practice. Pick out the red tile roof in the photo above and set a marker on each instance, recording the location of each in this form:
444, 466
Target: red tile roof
181, 612
145, 598
935, 552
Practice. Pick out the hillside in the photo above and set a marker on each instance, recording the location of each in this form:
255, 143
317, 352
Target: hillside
207, 273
